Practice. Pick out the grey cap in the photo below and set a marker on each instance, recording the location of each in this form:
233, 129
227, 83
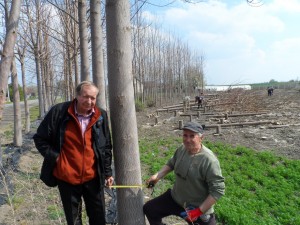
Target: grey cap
193, 126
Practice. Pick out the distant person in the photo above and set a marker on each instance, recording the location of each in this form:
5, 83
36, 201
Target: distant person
198, 182
270, 91
186, 102
74, 139
199, 100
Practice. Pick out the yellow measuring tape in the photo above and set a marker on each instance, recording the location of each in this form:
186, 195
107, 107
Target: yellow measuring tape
127, 186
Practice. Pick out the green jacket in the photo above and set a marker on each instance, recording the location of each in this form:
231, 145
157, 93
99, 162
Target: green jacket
197, 176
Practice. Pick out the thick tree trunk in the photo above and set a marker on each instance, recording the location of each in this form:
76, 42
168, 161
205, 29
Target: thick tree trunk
97, 51
7, 54
121, 101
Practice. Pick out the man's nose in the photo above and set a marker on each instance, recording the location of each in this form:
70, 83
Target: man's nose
188, 138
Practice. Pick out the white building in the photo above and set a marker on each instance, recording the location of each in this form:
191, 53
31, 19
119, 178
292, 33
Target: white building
226, 87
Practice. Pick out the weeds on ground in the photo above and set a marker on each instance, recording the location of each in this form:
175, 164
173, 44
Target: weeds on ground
31, 202
261, 188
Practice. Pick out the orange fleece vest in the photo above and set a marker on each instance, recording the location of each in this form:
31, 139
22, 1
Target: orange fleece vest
76, 162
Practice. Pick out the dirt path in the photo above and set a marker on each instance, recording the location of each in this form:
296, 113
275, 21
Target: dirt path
8, 112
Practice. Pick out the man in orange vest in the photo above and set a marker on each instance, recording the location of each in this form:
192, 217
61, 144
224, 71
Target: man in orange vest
74, 139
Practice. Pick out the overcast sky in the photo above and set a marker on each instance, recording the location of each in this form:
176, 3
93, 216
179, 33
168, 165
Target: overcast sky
241, 44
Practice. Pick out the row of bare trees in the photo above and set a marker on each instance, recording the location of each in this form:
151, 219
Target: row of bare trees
51, 36
54, 35
165, 65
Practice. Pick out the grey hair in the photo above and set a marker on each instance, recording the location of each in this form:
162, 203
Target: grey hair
82, 84
200, 134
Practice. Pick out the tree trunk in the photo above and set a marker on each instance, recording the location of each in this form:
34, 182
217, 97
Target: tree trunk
75, 38
97, 51
18, 139
43, 82
121, 101
83, 34
47, 75
67, 68
27, 113
7, 54
39, 83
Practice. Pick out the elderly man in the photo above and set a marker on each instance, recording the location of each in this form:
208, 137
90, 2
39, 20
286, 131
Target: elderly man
198, 185
74, 139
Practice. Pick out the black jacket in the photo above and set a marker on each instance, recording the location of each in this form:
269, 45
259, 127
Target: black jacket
50, 136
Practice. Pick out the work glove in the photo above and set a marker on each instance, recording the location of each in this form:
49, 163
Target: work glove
191, 214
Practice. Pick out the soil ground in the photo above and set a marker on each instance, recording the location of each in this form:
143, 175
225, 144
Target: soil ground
281, 135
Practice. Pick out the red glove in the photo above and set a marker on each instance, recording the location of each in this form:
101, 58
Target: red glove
191, 214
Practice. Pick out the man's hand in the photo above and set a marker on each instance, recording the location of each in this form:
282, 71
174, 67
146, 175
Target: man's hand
159, 175
150, 184
109, 181
191, 214
152, 181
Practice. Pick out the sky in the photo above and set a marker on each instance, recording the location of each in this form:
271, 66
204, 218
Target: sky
241, 44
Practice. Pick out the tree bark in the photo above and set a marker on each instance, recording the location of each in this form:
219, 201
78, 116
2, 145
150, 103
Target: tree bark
97, 51
84, 48
7, 54
27, 112
75, 38
18, 139
121, 101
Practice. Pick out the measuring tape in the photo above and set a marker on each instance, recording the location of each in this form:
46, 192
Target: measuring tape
150, 185
128, 186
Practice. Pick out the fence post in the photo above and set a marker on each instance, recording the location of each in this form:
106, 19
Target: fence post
180, 124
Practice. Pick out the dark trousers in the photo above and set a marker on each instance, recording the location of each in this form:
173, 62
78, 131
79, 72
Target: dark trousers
199, 104
93, 196
164, 206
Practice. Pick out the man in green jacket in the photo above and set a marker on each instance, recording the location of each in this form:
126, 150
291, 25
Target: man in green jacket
199, 182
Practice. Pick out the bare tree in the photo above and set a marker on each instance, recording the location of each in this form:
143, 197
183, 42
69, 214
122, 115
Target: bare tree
97, 51
15, 93
7, 54
33, 19
83, 34
68, 17
18, 139
75, 38
21, 58
124, 125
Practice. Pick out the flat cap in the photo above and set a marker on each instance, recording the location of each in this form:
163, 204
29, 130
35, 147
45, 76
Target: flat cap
193, 126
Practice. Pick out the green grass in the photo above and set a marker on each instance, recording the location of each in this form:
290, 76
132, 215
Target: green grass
34, 113
54, 212
261, 188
